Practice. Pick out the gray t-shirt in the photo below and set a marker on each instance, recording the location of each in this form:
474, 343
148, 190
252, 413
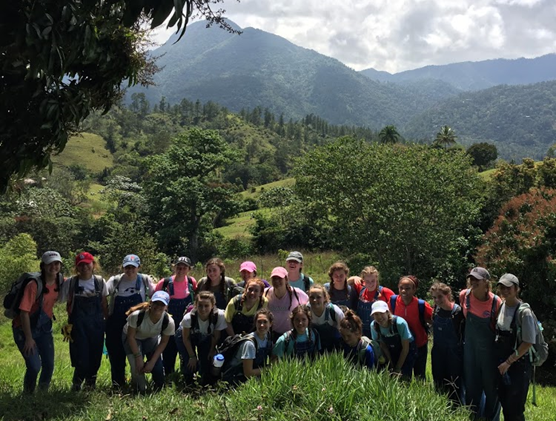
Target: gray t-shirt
506, 315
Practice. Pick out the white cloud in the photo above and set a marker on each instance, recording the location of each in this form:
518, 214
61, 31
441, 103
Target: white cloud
396, 35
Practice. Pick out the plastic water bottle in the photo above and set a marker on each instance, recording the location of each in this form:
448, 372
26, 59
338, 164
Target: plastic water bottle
217, 363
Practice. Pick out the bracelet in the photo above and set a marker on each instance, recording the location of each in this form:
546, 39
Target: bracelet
508, 362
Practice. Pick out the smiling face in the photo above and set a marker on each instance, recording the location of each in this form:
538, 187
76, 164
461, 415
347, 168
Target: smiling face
507, 293
85, 270
316, 298
294, 268
253, 292
157, 309
370, 281
246, 275
381, 318
441, 300
214, 273
339, 278
182, 270
278, 283
52, 269
204, 308
406, 288
262, 325
300, 323
131, 271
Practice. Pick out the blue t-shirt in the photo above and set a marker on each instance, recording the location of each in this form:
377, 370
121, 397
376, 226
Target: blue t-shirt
403, 330
298, 283
356, 355
280, 347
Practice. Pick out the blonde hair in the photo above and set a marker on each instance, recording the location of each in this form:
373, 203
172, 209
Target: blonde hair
321, 289
370, 270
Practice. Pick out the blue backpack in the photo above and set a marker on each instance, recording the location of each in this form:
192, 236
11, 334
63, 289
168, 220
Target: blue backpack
421, 304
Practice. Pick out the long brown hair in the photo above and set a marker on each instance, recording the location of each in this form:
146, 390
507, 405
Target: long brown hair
218, 262
339, 266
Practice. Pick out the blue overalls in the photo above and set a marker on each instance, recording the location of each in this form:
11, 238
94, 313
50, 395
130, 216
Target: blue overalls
202, 343
394, 343
346, 301
302, 350
87, 334
329, 334
364, 312
235, 375
114, 329
447, 355
42, 359
480, 366
176, 308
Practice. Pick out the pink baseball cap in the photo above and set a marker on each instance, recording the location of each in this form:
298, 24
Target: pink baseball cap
248, 266
279, 272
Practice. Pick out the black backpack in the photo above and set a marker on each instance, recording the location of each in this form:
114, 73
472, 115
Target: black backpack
229, 347
13, 299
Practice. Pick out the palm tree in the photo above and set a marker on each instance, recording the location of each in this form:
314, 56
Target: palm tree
445, 137
389, 134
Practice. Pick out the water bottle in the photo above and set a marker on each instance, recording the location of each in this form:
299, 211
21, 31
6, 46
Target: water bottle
217, 363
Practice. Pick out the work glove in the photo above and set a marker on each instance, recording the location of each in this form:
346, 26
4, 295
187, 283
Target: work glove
66, 331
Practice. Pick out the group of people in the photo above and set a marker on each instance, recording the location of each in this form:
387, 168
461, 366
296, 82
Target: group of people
479, 355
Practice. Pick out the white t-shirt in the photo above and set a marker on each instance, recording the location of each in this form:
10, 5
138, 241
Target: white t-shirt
528, 331
148, 329
204, 325
321, 320
282, 307
84, 288
126, 287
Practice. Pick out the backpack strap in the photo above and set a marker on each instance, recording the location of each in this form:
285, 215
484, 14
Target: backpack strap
306, 283
140, 318
237, 303
378, 292
165, 322
467, 300
330, 311
191, 289
421, 304
168, 282
393, 299
493, 312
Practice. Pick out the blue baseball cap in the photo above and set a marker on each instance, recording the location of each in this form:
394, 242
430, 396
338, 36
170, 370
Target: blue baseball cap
161, 296
131, 260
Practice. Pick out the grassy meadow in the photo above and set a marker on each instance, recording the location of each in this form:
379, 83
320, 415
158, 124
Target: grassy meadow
86, 149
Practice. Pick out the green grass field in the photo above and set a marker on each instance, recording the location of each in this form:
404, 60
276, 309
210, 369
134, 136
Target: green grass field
88, 150
248, 194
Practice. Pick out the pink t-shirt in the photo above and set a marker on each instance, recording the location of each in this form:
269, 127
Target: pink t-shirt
181, 288
282, 307
479, 308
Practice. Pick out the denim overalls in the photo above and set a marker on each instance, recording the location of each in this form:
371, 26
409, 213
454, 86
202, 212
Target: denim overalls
87, 333
114, 328
329, 334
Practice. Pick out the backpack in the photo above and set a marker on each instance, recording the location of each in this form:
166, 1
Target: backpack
13, 299
238, 306
165, 322
538, 353
421, 304
168, 286
229, 347
306, 283
361, 354
493, 312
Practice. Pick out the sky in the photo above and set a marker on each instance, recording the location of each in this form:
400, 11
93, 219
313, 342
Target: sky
398, 35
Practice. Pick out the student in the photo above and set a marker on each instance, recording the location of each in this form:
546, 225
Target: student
148, 329
241, 309
248, 270
357, 348
87, 310
253, 354
296, 278
480, 308
326, 318
340, 292
369, 291
301, 341
282, 299
216, 281
199, 333
32, 327
516, 333
447, 351
418, 314
395, 339
126, 290
181, 289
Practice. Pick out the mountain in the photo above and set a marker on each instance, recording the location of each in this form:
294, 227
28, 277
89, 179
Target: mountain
472, 76
519, 120
257, 68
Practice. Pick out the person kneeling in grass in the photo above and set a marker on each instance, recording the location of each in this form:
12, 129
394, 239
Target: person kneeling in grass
253, 353
357, 348
302, 341
395, 339
146, 333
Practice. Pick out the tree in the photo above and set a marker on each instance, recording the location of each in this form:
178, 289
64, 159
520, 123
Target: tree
446, 137
411, 209
389, 134
483, 154
62, 59
17, 256
185, 191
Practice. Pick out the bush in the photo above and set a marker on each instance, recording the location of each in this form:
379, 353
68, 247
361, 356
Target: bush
17, 256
